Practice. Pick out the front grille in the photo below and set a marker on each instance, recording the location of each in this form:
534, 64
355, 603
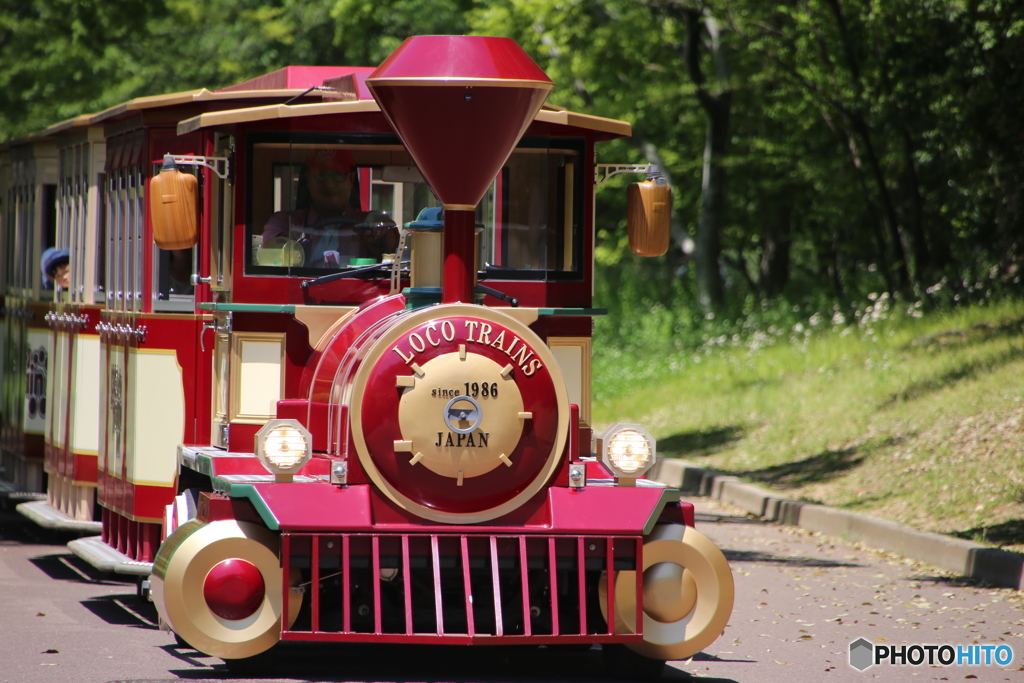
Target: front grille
455, 588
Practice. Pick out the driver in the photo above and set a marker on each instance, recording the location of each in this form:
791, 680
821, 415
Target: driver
333, 229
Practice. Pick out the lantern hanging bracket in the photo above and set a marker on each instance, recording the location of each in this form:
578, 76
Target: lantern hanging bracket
603, 172
219, 165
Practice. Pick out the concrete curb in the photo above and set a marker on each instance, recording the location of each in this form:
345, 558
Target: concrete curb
998, 567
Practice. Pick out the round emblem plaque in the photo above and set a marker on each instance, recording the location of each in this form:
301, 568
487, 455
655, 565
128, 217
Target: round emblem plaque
459, 413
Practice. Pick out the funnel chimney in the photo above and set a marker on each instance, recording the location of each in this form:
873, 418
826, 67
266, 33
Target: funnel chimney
460, 104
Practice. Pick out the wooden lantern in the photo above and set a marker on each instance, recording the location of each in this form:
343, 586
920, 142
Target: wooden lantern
649, 215
172, 204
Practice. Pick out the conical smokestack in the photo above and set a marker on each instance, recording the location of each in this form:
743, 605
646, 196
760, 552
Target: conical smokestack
460, 104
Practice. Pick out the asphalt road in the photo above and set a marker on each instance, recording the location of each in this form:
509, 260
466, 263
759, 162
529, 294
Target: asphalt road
801, 599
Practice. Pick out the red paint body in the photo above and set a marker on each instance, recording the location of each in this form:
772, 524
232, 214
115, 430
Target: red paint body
459, 256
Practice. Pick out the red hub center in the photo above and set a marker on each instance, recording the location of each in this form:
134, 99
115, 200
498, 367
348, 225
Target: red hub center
234, 589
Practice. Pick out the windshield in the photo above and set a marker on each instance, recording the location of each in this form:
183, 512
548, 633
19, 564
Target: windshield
320, 206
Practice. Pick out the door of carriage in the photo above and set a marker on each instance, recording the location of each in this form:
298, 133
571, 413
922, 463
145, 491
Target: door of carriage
149, 337
72, 433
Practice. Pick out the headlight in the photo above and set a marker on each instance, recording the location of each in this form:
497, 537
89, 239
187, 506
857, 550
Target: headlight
627, 450
283, 446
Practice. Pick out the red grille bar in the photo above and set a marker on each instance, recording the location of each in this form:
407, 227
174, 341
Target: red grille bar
525, 586
438, 600
407, 580
286, 587
553, 586
609, 559
464, 546
582, 583
424, 587
346, 588
316, 579
495, 575
376, 584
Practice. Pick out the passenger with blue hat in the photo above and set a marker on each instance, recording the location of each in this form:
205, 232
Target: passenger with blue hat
56, 268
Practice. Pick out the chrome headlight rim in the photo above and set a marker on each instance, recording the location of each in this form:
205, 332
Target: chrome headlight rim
613, 436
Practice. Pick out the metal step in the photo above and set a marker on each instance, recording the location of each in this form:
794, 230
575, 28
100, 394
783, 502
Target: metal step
48, 517
93, 550
9, 490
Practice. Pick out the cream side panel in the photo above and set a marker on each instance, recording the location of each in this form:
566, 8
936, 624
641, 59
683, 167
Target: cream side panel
53, 345
573, 356
570, 362
259, 365
85, 392
261, 378
57, 403
105, 426
157, 425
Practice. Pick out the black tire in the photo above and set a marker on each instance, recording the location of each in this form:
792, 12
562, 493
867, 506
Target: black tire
624, 664
258, 666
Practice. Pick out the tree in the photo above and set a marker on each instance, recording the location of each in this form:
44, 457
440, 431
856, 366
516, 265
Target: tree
867, 145
59, 58
703, 34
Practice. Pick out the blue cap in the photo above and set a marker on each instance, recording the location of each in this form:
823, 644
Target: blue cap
53, 258
431, 217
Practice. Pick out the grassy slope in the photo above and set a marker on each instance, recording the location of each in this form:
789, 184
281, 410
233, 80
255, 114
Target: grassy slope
916, 419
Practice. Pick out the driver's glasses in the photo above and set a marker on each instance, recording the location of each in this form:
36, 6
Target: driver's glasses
336, 177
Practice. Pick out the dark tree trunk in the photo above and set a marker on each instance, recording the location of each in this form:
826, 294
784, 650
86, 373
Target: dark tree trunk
775, 242
718, 108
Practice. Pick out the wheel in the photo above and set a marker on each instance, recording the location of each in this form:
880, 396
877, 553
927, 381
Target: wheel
623, 663
188, 558
687, 594
263, 664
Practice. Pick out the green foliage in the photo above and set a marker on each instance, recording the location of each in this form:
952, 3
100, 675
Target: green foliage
58, 58
874, 146
909, 415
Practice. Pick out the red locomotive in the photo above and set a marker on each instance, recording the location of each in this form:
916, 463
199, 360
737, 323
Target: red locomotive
366, 416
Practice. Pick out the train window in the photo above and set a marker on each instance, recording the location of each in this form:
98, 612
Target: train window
172, 275
99, 268
321, 205
533, 213
317, 206
172, 268
124, 232
77, 229
138, 206
67, 211
221, 205
113, 235
48, 216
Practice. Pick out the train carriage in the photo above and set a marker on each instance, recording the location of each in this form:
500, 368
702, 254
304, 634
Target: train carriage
99, 219
71, 440
29, 167
344, 374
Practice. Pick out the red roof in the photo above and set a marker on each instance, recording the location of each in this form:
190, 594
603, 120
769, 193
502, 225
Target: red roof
297, 77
